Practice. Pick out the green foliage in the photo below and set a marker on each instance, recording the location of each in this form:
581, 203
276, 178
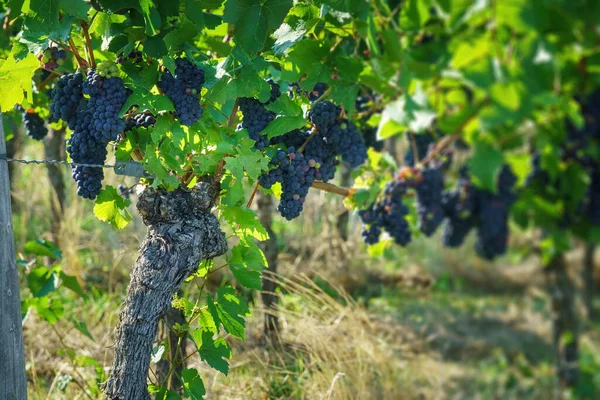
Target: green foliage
504, 79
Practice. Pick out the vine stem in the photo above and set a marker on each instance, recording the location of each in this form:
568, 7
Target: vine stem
46, 81
322, 97
251, 200
312, 134
86, 32
415, 149
331, 188
82, 63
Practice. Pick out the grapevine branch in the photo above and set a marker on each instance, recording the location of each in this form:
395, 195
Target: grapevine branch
82, 63
86, 31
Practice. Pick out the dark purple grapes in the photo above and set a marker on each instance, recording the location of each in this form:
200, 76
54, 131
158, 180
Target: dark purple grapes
183, 90
323, 115
460, 208
430, 211
144, 120
388, 214
35, 127
66, 96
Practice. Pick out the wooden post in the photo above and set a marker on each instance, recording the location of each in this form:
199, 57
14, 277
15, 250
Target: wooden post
13, 383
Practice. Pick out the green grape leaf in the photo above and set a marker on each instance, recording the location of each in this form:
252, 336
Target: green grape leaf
214, 351
42, 247
77, 8
485, 165
229, 310
42, 281
286, 37
147, 100
282, 125
112, 208
193, 387
194, 11
253, 19
49, 310
42, 15
245, 222
71, 283
15, 80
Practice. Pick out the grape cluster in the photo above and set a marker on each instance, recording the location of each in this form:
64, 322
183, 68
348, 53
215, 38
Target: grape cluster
183, 90
292, 169
52, 57
460, 207
107, 97
257, 117
460, 210
348, 142
94, 120
388, 214
323, 115
66, 96
34, 124
143, 120
581, 146
429, 200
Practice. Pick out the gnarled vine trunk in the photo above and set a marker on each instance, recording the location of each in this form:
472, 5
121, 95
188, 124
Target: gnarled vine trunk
181, 233
565, 323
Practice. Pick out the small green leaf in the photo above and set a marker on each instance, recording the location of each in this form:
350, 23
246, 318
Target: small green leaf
111, 208
70, 282
44, 248
214, 351
15, 80
193, 387
485, 165
42, 281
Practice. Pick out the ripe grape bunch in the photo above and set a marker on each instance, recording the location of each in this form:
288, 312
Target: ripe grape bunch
52, 57
388, 214
94, 120
292, 169
34, 124
460, 210
66, 96
257, 117
183, 89
311, 155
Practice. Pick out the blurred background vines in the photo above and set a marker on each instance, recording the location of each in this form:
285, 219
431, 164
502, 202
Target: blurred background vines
407, 196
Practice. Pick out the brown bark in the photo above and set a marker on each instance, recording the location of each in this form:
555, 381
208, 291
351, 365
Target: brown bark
269, 247
565, 324
588, 279
54, 149
13, 147
181, 233
13, 383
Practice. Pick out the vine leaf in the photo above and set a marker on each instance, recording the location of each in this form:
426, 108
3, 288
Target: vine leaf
193, 387
245, 263
484, 165
245, 222
227, 310
214, 351
112, 208
252, 20
15, 80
